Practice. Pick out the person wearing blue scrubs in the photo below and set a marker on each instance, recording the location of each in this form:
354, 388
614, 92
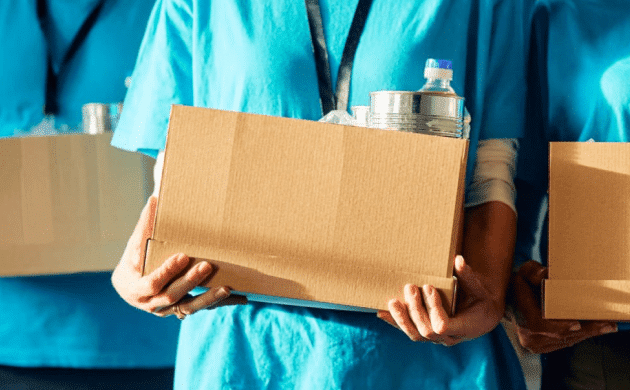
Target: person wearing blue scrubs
578, 90
258, 57
73, 331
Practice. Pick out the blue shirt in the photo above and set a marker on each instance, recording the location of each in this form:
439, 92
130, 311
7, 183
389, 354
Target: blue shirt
257, 57
96, 74
578, 89
74, 321
21, 81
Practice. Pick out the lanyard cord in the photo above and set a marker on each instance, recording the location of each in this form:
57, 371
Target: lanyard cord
51, 105
338, 100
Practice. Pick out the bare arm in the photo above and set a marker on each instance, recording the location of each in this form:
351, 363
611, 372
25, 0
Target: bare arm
489, 238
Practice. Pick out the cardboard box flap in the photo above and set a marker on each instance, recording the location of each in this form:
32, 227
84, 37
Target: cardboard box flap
587, 299
60, 258
262, 276
301, 189
589, 211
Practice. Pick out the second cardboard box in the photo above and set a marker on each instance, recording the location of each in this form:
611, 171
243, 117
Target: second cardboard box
589, 232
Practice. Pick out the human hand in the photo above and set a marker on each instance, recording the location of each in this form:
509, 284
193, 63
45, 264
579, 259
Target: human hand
539, 335
164, 291
422, 317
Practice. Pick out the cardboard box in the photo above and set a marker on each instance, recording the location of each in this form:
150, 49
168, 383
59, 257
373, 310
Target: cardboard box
309, 213
589, 232
68, 203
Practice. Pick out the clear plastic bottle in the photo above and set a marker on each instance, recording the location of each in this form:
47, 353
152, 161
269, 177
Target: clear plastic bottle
444, 111
439, 74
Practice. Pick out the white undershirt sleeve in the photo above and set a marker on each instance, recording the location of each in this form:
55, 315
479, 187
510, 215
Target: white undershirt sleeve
495, 168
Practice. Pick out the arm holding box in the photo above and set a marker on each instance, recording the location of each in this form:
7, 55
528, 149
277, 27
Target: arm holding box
524, 299
488, 246
539, 335
489, 235
164, 291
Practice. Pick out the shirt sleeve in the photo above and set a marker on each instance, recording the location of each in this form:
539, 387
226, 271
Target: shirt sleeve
162, 77
493, 179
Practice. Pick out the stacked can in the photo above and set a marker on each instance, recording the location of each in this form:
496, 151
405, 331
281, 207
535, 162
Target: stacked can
361, 115
435, 109
99, 118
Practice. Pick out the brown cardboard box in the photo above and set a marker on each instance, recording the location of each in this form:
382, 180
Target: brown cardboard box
328, 215
589, 232
68, 203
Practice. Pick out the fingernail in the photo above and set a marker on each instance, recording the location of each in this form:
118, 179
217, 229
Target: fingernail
394, 304
182, 258
223, 292
204, 267
575, 327
428, 290
412, 290
609, 329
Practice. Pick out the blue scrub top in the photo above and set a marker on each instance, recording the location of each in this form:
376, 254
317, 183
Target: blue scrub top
96, 74
257, 57
76, 321
22, 67
578, 89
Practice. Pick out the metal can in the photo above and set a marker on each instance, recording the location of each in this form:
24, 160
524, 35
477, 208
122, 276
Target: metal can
96, 119
361, 115
418, 112
99, 118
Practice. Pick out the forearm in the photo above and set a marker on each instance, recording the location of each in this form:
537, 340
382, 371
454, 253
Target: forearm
490, 217
489, 239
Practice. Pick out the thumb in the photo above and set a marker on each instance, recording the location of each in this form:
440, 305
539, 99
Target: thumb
467, 278
136, 246
533, 272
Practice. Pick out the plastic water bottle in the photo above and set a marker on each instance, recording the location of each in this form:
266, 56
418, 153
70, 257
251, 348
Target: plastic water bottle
446, 114
439, 74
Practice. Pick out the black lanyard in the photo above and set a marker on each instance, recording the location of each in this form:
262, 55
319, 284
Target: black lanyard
51, 105
338, 100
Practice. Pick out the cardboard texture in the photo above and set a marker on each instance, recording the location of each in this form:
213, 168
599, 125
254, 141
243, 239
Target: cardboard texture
68, 203
589, 232
328, 215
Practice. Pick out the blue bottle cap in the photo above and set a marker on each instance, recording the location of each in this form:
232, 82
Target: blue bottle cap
438, 64
445, 64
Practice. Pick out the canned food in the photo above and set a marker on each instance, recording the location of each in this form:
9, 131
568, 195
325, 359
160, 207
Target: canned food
418, 112
361, 115
96, 118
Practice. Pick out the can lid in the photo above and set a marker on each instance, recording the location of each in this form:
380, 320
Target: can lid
440, 69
